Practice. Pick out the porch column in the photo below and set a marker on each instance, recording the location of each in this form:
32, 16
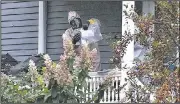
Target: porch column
42, 27
127, 25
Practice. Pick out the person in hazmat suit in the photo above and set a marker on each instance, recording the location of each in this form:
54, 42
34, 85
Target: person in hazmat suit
83, 35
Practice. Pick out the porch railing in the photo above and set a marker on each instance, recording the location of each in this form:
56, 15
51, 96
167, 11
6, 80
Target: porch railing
112, 94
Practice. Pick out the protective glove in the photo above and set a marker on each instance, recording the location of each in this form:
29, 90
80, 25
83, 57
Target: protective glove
76, 37
86, 25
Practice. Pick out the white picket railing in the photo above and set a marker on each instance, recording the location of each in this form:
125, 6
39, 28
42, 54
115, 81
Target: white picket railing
111, 95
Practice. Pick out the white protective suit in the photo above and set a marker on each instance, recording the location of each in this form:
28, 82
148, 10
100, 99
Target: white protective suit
90, 37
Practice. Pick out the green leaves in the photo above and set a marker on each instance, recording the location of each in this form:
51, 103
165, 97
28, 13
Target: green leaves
70, 63
43, 69
47, 97
54, 91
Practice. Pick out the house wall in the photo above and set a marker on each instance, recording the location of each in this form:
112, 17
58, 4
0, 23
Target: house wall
109, 14
19, 28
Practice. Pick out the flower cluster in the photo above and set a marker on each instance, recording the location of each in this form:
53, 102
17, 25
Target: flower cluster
68, 48
145, 24
63, 75
163, 92
58, 72
48, 72
32, 71
87, 57
4, 79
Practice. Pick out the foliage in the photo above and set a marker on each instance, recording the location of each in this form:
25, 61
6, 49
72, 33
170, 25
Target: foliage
61, 82
160, 63
20, 89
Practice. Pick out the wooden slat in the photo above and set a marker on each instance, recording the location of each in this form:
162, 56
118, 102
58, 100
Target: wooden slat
100, 4
54, 45
19, 41
63, 8
19, 23
19, 5
81, 10
106, 66
19, 29
87, 95
105, 48
54, 57
59, 3
58, 51
58, 26
19, 35
57, 39
109, 94
4, 2
20, 52
116, 95
105, 60
19, 11
111, 29
106, 54
103, 42
91, 85
19, 47
57, 21
55, 32
58, 14
119, 79
112, 89
19, 17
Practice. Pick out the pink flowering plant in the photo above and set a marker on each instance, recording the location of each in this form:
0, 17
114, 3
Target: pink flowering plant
61, 82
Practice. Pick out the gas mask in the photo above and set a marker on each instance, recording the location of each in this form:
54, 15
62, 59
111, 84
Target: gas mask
76, 23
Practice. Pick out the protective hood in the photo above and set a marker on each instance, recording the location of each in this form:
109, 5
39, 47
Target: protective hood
72, 15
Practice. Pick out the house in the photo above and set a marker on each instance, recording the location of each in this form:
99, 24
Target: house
32, 27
